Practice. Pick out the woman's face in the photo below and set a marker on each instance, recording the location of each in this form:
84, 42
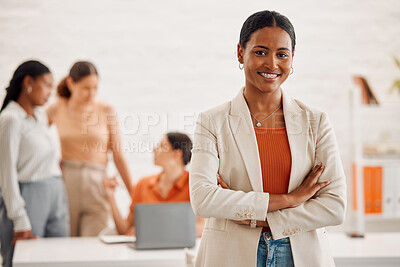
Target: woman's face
41, 89
163, 152
267, 59
85, 89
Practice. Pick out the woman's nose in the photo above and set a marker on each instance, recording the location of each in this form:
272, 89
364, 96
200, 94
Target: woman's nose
271, 62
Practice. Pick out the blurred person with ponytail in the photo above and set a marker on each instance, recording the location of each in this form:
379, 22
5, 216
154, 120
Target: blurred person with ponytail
88, 130
172, 154
32, 194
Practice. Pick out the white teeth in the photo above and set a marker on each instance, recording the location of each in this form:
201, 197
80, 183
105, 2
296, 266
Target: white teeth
268, 75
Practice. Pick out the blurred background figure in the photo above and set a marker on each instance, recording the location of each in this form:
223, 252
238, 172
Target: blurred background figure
171, 185
33, 200
88, 130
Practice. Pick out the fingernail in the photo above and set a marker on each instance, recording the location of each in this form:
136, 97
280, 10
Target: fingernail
319, 164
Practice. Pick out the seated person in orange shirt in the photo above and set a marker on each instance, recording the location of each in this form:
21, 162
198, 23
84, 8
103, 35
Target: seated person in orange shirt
171, 185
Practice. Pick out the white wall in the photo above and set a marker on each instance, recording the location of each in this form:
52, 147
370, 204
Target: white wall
172, 59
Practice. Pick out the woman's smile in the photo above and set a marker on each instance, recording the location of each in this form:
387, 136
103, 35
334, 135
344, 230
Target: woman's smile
269, 76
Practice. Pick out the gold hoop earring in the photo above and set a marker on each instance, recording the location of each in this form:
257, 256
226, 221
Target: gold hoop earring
29, 90
241, 66
291, 71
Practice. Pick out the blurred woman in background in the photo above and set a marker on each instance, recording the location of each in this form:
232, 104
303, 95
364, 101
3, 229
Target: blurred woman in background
171, 185
88, 130
33, 200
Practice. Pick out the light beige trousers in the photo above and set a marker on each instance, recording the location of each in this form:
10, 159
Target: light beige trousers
88, 206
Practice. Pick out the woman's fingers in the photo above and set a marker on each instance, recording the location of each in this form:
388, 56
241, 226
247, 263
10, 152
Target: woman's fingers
114, 182
319, 186
22, 235
245, 222
312, 174
222, 182
110, 182
107, 183
131, 231
310, 186
314, 169
262, 224
313, 177
318, 174
324, 184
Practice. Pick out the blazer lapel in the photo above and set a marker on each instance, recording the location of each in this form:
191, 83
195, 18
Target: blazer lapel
242, 130
297, 128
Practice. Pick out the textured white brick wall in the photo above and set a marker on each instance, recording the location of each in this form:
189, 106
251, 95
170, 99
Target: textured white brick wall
166, 61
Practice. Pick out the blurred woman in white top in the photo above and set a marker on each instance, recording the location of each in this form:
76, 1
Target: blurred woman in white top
32, 194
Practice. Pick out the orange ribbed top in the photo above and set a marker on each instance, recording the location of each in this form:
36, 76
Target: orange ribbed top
275, 159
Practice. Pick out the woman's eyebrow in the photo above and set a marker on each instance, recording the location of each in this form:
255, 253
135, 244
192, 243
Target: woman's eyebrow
264, 47
261, 46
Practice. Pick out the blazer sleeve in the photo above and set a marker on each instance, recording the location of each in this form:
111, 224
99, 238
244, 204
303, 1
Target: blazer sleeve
327, 207
208, 199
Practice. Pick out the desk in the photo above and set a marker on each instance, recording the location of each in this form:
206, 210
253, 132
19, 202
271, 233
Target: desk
90, 252
376, 249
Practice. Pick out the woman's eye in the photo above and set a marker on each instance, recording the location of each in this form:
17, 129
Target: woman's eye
282, 55
260, 53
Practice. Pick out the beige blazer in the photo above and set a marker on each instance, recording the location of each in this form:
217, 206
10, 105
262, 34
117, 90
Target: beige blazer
225, 143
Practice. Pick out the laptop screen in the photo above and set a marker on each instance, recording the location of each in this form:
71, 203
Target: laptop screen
165, 225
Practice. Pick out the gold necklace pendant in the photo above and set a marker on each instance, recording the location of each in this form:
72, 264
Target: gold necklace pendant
258, 124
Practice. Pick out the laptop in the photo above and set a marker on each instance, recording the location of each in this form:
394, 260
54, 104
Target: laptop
166, 225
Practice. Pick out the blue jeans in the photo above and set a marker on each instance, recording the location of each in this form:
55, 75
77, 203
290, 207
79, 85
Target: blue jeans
274, 253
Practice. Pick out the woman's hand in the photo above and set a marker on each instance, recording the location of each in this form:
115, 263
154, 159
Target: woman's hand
109, 186
131, 231
309, 187
247, 222
224, 185
221, 183
22, 235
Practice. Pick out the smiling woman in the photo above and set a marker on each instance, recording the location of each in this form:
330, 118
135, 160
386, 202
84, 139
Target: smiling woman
266, 169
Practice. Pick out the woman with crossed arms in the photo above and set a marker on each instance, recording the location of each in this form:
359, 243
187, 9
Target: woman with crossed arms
281, 177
